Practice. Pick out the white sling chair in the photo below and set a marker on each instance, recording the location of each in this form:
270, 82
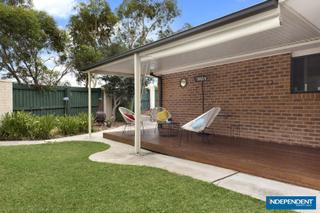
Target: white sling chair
129, 118
200, 123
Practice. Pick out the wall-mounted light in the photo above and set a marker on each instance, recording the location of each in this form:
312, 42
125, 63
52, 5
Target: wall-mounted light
183, 83
153, 65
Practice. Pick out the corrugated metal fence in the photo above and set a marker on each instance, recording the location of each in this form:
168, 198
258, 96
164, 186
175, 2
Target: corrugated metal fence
53, 101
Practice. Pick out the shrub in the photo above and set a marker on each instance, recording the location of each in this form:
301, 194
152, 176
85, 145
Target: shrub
16, 126
83, 122
109, 121
71, 125
68, 125
24, 126
42, 126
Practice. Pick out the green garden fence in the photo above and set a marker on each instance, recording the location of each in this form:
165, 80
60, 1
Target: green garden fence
56, 100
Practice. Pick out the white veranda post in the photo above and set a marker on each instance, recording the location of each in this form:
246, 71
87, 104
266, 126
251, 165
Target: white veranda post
89, 104
152, 96
137, 103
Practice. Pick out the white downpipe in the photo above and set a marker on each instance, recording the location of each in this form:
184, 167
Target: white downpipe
137, 103
89, 104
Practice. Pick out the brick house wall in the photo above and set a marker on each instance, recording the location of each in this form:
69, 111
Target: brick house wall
255, 98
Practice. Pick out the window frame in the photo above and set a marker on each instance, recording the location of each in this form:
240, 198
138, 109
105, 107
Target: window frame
305, 57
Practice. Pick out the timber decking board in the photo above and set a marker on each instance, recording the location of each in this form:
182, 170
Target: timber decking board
288, 163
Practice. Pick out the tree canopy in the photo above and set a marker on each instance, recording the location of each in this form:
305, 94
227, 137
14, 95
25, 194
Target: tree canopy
23, 3
32, 47
140, 19
26, 38
93, 24
169, 31
91, 30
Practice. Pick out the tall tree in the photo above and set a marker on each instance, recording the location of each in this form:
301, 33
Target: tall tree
169, 31
142, 19
26, 38
120, 89
22, 3
91, 30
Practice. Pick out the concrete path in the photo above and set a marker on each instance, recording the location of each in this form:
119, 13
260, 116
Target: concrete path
253, 186
120, 153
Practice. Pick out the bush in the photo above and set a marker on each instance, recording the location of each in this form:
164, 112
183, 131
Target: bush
42, 126
16, 126
71, 125
25, 126
67, 125
83, 122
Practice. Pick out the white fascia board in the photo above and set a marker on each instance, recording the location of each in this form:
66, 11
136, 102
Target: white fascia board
306, 52
109, 72
106, 67
246, 27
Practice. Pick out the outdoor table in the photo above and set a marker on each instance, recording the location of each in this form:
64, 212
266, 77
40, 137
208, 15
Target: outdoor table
171, 128
145, 118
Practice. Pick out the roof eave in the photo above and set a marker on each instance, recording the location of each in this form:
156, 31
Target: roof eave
251, 11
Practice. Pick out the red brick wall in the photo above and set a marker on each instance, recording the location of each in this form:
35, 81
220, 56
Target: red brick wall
255, 94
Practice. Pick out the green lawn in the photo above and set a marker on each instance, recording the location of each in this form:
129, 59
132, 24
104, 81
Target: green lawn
60, 178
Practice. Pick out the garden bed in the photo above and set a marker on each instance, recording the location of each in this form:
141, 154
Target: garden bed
26, 126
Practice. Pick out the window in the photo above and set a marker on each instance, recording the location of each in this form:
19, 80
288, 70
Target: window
306, 74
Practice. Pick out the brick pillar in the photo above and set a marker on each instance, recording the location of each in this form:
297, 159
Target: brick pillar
6, 98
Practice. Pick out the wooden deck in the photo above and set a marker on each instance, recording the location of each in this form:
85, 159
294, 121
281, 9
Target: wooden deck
288, 163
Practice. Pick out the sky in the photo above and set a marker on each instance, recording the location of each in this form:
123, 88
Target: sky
195, 12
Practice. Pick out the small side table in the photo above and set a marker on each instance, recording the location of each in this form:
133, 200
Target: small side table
235, 130
171, 129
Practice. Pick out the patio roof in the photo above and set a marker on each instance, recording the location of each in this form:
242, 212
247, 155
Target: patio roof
268, 28
287, 26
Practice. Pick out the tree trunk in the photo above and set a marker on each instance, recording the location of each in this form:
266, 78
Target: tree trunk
116, 103
114, 111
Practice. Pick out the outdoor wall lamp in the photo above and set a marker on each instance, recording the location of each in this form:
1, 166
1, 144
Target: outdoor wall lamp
183, 83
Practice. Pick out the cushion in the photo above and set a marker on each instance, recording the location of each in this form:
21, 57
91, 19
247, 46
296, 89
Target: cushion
162, 116
131, 117
197, 124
